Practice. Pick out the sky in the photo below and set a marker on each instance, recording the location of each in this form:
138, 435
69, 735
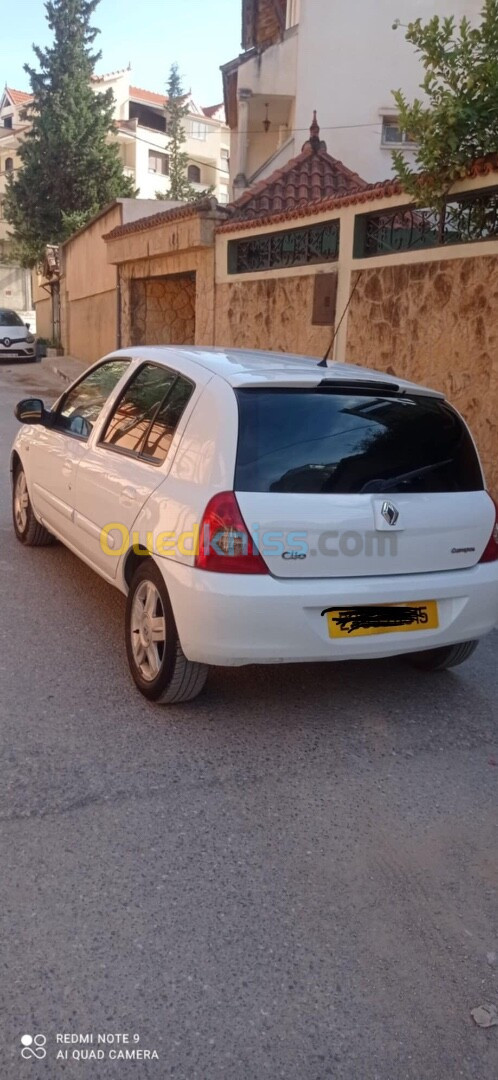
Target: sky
150, 34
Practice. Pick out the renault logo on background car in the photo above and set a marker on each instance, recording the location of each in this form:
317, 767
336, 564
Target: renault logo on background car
390, 513
16, 341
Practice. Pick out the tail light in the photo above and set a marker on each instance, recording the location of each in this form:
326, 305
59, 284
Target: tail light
490, 553
225, 544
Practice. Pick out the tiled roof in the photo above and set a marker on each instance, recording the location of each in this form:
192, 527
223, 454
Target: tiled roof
109, 75
147, 96
18, 97
211, 110
165, 216
367, 194
311, 176
385, 189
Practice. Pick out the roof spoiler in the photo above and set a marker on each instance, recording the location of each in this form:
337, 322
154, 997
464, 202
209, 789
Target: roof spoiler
362, 384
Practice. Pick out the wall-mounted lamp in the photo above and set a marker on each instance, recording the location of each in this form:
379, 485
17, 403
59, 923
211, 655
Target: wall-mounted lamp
266, 121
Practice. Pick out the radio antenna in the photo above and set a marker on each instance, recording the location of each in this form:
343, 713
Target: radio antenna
324, 362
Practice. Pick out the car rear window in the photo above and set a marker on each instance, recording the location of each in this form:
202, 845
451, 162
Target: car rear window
325, 441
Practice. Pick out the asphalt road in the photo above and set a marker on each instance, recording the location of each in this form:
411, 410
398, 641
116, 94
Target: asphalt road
295, 876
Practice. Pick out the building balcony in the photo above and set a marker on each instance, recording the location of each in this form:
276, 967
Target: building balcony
272, 73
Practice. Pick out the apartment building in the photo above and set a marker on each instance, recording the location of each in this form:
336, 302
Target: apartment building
344, 60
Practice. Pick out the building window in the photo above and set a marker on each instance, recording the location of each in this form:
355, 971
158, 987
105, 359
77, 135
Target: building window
194, 174
9, 165
158, 163
225, 159
392, 135
223, 197
198, 130
292, 13
7, 122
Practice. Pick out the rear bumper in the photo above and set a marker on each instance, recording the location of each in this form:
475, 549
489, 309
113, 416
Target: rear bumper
234, 619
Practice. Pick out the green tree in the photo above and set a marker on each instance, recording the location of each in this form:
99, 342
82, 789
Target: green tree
177, 109
69, 169
459, 120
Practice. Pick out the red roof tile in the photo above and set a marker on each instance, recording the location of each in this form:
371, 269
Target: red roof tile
211, 110
385, 189
18, 97
177, 213
147, 96
312, 175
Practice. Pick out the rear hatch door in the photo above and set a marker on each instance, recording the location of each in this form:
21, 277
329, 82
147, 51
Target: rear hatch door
343, 481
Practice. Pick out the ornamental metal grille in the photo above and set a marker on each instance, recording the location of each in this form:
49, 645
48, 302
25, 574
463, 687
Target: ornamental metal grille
280, 250
468, 219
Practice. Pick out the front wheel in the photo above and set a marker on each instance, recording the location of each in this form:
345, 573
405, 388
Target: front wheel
27, 529
157, 663
447, 656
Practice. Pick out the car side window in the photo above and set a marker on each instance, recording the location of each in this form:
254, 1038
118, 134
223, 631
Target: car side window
81, 406
147, 414
161, 432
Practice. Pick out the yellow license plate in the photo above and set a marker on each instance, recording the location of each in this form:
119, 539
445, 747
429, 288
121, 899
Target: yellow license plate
347, 622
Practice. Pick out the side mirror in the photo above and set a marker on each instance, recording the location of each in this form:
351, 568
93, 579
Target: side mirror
28, 325
30, 411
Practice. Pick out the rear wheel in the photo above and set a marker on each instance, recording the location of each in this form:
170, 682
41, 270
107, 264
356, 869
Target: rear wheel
157, 662
440, 659
27, 529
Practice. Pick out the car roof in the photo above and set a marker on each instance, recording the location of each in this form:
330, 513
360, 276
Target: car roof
255, 367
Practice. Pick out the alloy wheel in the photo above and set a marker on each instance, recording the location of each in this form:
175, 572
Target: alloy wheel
21, 501
148, 630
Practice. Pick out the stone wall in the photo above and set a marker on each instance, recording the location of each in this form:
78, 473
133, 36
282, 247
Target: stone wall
436, 323
163, 310
199, 264
270, 314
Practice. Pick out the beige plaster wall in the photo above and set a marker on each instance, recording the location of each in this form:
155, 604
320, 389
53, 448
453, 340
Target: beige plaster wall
274, 313
91, 326
85, 264
436, 323
44, 318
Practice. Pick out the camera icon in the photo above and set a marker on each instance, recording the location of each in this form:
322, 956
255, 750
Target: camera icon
33, 1046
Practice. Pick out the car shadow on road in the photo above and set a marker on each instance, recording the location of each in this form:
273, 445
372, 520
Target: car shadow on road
284, 696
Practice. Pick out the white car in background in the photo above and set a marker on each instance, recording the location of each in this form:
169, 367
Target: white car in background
261, 508
16, 340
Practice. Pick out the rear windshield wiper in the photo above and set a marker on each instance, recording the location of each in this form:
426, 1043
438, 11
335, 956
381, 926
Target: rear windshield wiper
388, 485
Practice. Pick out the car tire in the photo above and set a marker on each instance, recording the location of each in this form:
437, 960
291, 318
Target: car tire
447, 656
28, 530
157, 662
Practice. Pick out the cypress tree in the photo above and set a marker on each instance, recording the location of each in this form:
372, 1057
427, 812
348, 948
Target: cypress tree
176, 114
69, 168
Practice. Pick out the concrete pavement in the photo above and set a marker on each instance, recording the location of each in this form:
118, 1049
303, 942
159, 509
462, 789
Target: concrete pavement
294, 877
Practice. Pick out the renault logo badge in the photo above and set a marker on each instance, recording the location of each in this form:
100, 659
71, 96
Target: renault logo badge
390, 513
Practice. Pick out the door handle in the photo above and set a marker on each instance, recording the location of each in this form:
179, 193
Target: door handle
129, 493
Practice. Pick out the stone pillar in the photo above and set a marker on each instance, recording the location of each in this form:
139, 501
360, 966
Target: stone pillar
240, 182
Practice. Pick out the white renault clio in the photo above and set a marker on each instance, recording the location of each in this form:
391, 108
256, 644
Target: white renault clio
261, 508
